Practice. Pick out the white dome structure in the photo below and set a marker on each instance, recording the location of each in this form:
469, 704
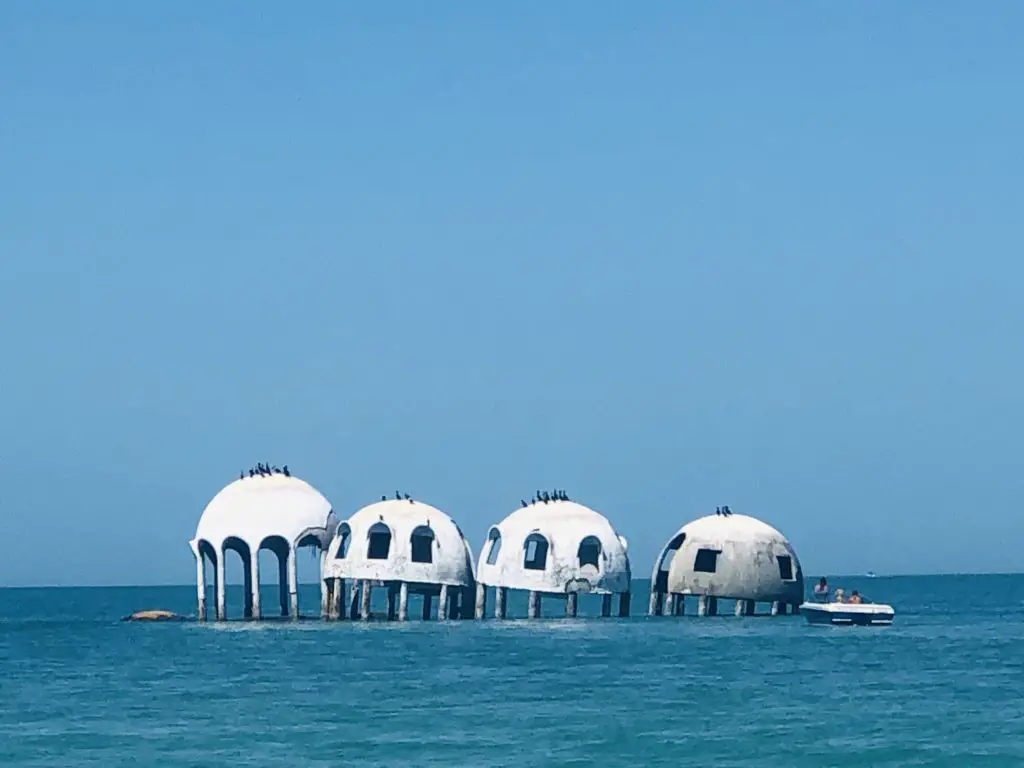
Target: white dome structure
406, 545
557, 547
727, 556
274, 511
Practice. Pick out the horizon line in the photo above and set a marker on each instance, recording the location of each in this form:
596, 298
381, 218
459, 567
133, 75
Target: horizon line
316, 583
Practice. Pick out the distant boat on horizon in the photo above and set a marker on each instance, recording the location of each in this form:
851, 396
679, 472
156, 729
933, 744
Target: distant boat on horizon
870, 574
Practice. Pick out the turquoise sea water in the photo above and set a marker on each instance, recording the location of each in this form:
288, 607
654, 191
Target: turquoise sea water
944, 686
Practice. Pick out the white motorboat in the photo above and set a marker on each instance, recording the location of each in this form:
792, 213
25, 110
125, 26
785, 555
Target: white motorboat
845, 614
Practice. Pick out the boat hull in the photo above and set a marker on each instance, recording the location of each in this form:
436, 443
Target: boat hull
848, 614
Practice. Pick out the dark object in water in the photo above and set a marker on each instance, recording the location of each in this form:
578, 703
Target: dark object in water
153, 616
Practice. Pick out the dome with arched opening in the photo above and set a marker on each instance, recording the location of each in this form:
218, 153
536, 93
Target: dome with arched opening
273, 511
555, 547
400, 541
734, 556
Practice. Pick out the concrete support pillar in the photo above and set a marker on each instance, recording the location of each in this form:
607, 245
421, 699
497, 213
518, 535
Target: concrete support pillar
654, 609
533, 606
571, 605
480, 609
403, 602
200, 587
624, 601
442, 604
254, 566
293, 584
702, 605
794, 608
392, 600
326, 588
218, 586
671, 604
353, 600
364, 600
500, 593
606, 605
337, 606
778, 607
427, 600
680, 608
739, 607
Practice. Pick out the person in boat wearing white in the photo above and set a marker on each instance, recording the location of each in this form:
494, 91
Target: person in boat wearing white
821, 590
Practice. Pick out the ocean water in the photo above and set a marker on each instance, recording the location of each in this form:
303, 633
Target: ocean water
943, 686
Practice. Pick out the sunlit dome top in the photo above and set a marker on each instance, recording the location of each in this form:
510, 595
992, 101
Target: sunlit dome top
255, 508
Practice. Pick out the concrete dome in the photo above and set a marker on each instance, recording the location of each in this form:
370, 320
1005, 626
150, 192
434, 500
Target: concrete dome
257, 508
400, 541
733, 556
557, 547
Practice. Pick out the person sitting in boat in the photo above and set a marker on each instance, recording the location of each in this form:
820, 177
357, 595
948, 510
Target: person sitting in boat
839, 595
821, 590
855, 598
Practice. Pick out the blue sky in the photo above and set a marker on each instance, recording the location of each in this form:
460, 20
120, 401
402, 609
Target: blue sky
761, 255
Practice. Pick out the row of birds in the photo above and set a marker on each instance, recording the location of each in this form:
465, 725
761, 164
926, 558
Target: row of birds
723, 511
264, 470
543, 497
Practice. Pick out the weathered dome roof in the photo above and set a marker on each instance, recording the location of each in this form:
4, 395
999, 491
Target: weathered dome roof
259, 507
441, 554
517, 543
734, 556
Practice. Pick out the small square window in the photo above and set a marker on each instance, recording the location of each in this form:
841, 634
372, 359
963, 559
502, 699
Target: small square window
706, 560
785, 567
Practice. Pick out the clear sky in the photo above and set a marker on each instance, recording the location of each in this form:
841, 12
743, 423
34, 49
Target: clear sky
669, 257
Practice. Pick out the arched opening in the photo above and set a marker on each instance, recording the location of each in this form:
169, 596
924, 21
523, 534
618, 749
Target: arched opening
274, 551
665, 563
379, 542
422, 541
589, 552
345, 533
494, 546
535, 552
208, 554
239, 547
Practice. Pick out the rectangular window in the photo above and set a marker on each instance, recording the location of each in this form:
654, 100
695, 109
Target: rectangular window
706, 560
785, 567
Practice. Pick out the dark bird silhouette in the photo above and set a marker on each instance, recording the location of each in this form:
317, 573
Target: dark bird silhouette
383, 497
406, 496
398, 495
718, 511
241, 475
251, 473
275, 469
284, 469
726, 511
545, 498
523, 502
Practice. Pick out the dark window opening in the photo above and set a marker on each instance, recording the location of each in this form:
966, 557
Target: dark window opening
589, 552
380, 542
536, 552
706, 560
346, 539
495, 544
785, 567
423, 545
